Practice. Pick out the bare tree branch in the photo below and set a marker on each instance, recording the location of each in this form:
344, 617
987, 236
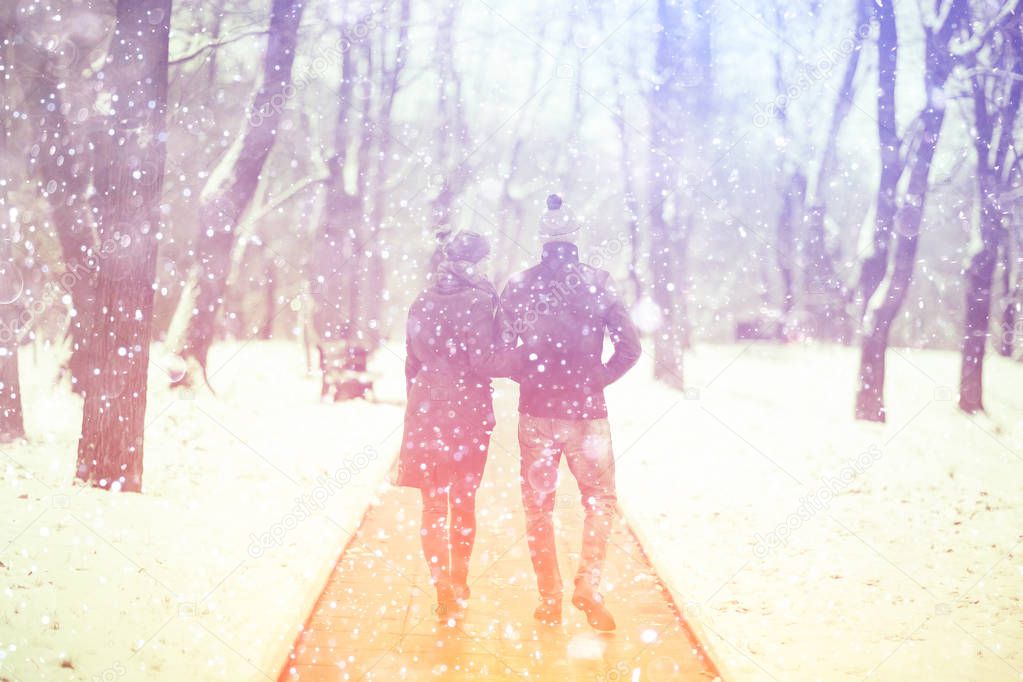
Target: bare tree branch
214, 45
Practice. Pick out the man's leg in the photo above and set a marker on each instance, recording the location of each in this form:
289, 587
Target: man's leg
591, 460
538, 477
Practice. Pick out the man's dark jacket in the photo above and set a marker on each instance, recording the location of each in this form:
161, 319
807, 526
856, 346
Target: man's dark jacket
561, 310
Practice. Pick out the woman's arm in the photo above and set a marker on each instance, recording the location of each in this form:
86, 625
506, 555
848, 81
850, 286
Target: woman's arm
412, 363
505, 322
488, 356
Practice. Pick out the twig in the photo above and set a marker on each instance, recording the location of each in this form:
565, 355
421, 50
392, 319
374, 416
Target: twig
269, 208
214, 45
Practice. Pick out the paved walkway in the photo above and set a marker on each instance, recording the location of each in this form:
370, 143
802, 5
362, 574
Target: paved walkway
375, 620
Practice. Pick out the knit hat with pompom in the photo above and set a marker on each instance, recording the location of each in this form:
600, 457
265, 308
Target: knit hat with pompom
558, 223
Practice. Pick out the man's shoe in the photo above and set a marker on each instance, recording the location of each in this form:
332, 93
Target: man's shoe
597, 614
448, 608
549, 611
462, 594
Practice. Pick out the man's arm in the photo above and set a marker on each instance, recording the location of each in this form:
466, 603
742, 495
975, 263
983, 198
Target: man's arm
623, 335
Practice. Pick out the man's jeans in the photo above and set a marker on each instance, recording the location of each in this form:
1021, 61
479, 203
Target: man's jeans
586, 445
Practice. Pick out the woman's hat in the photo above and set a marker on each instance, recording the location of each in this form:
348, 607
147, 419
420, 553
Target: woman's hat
471, 247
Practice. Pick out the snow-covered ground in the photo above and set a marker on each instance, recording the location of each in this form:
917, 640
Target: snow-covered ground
808, 546
248, 499
804, 545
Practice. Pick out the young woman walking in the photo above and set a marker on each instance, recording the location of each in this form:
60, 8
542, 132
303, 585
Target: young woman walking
453, 350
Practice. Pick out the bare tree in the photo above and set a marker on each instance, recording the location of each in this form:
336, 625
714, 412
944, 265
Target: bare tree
454, 131
512, 209
375, 75
1012, 278
874, 265
822, 286
229, 191
390, 65
792, 176
62, 162
678, 114
898, 216
630, 201
128, 188
996, 84
335, 239
11, 423
359, 228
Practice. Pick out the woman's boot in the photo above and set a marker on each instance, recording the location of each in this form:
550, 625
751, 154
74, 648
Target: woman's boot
463, 535
437, 550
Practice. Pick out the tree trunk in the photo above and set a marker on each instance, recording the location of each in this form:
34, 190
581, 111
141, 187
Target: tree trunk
1010, 174
679, 110
360, 293
981, 270
630, 201
1011, 280
62, 165
383, 137
874, 266
994, 111
128, 186
870, 397
12, 425
792, 188
665, 270
266, 332
822, 288
334, 240
631, 206
230, 189
885, 305
977, 324
824, 291
793, 194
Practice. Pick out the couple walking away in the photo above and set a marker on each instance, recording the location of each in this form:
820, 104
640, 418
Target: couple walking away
546, 331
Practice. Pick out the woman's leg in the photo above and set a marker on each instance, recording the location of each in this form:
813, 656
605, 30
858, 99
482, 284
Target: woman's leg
434, 537
463, 532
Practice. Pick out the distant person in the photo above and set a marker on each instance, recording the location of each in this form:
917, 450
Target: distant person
452, 345
560, 310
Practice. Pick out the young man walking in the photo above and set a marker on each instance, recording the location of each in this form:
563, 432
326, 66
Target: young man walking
561, 310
